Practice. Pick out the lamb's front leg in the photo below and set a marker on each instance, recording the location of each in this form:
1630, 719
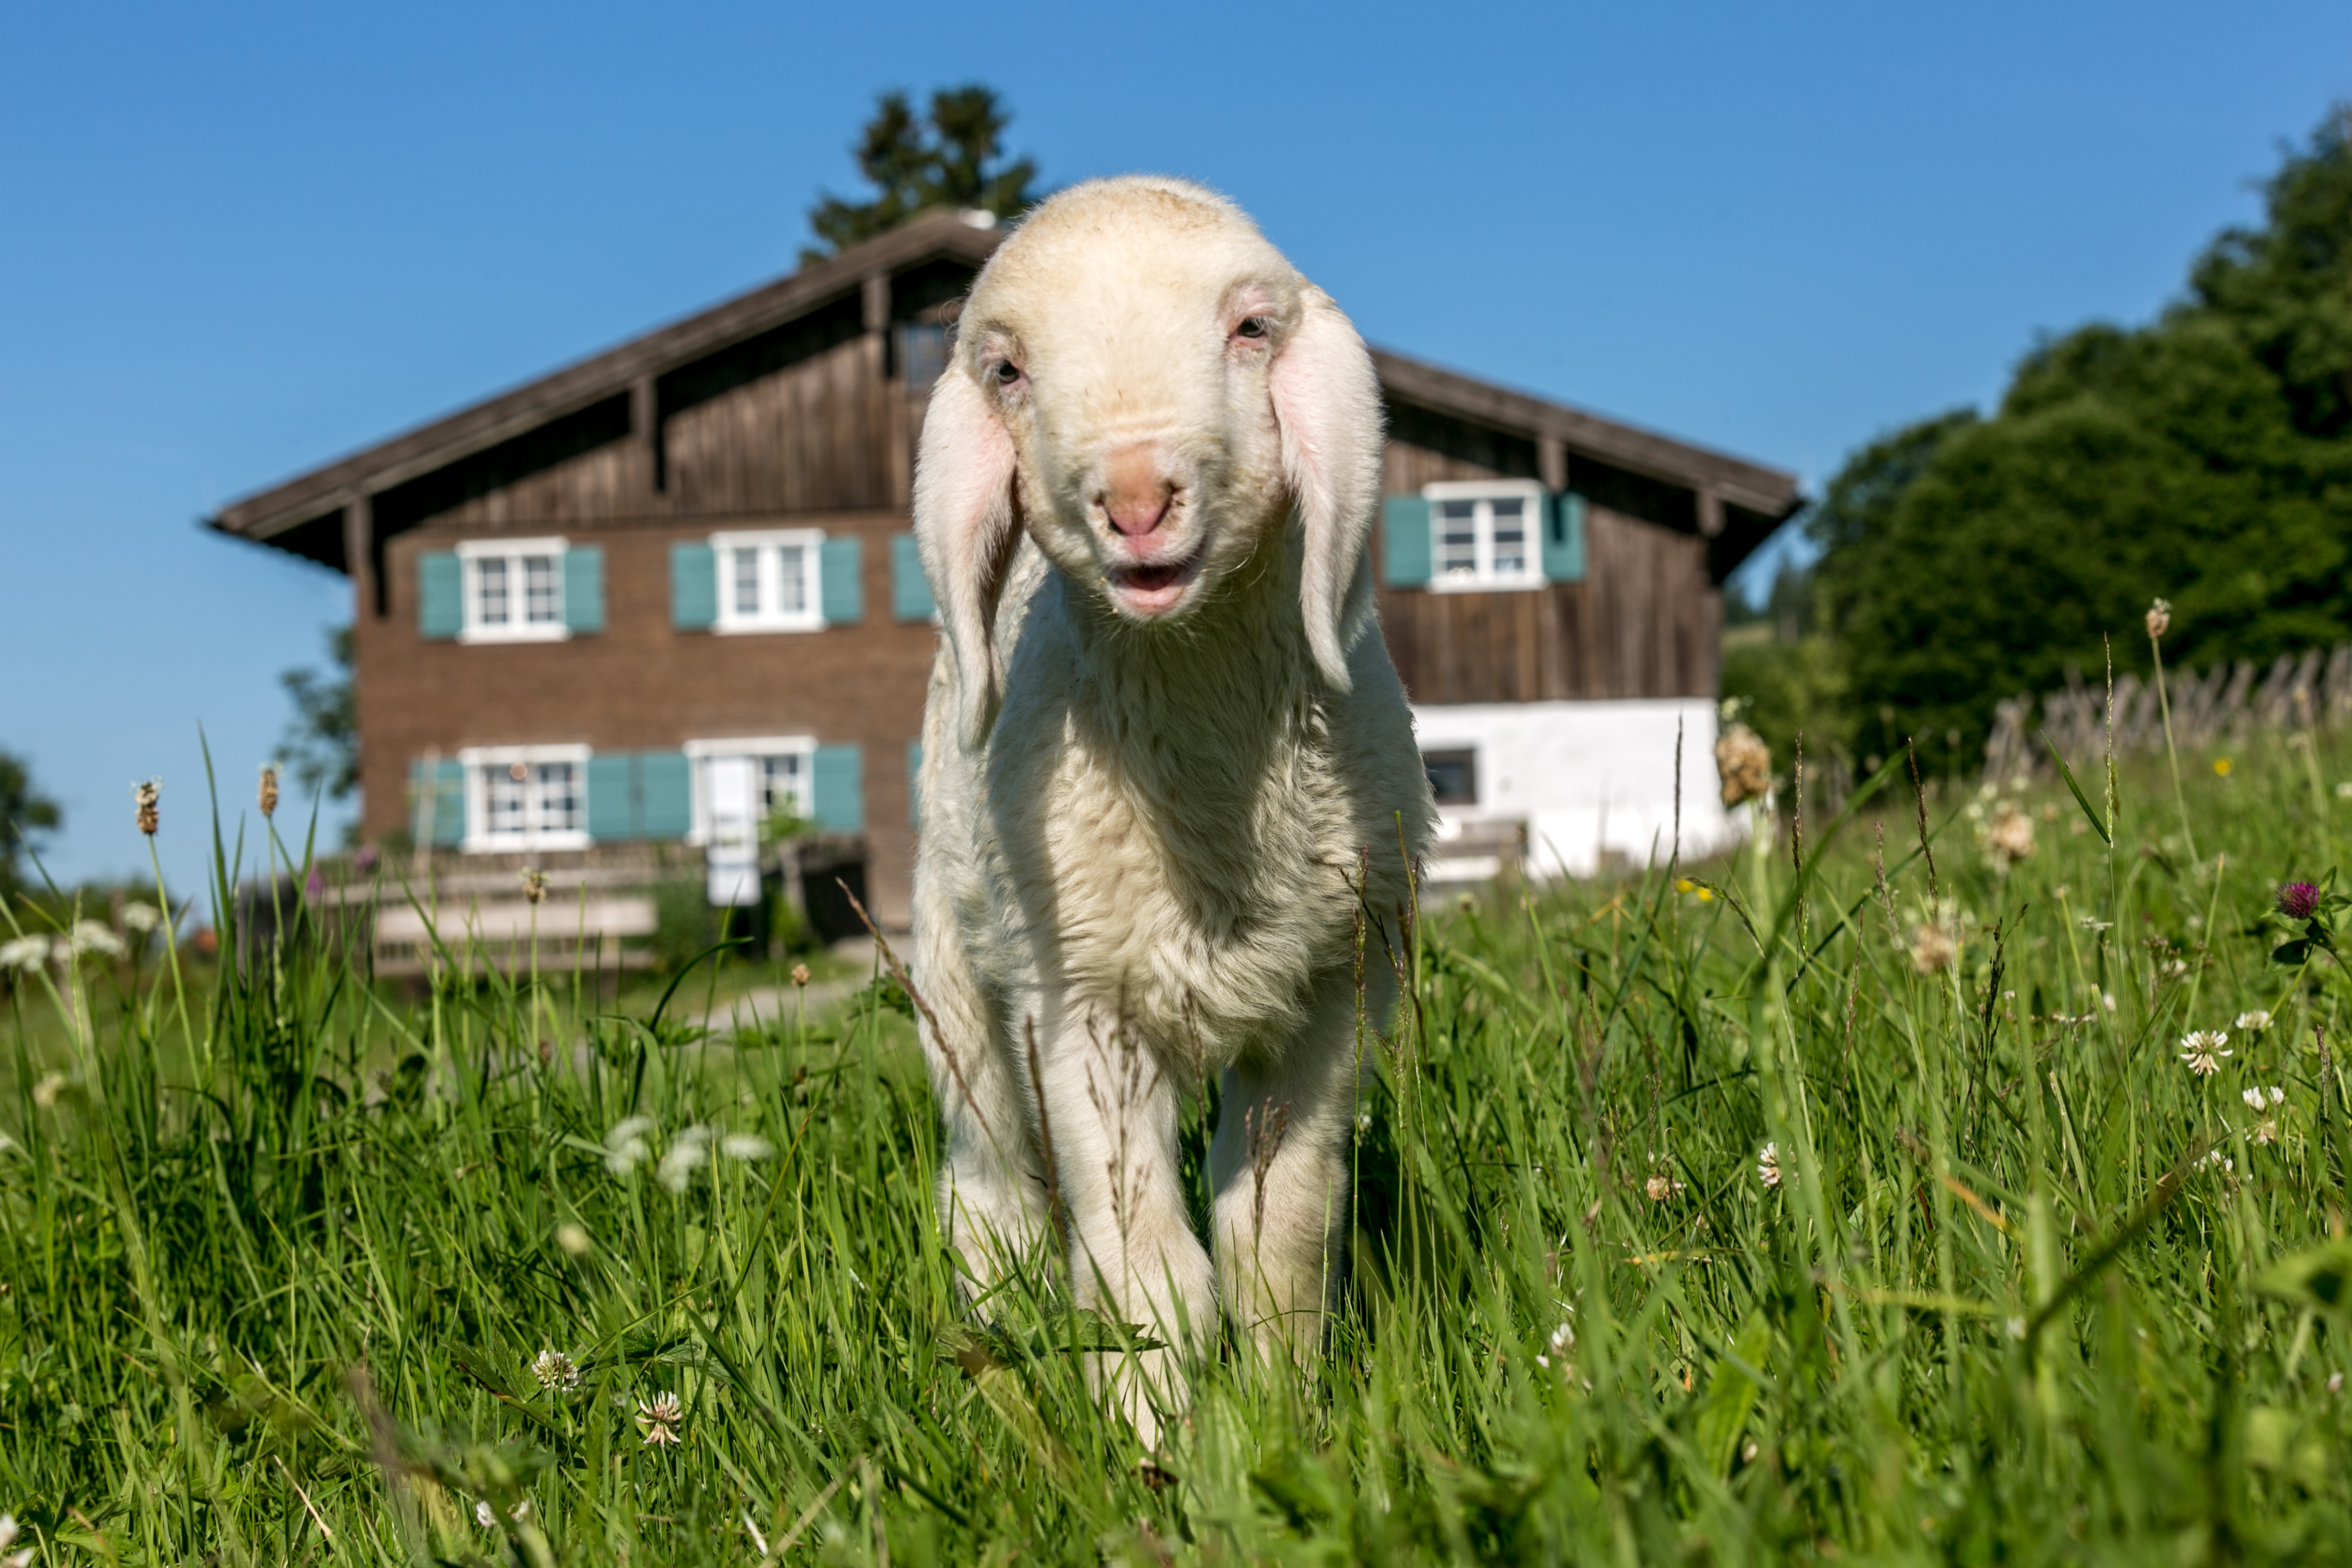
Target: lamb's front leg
1279, 1164
1111, 1114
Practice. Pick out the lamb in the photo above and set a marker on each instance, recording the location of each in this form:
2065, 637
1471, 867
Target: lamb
1166, 761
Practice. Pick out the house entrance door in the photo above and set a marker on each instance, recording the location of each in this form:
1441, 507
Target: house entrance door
732, 857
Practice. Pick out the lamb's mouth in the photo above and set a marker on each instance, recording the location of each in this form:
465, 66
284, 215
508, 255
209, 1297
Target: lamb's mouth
1153, 590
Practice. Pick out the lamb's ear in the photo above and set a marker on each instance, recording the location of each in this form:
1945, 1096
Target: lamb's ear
1327, 401
964, 527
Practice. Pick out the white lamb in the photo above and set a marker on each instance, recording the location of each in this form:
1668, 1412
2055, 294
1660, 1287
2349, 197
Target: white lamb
1165, 760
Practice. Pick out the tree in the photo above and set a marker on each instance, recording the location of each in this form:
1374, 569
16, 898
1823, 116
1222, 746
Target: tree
322, 743
948, 159
27, 816
2205, 458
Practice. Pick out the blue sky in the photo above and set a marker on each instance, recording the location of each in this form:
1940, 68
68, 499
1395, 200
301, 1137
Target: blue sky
237, 242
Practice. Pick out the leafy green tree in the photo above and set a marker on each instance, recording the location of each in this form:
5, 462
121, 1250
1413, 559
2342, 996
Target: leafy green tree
949, 158
322, 743
2206, 457
26, 816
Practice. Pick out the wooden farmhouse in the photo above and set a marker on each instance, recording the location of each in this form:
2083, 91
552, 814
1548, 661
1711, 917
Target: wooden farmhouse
616, 617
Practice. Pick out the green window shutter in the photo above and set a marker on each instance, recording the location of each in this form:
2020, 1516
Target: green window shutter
1563, 540
837, 774
693, 587
841, 594
440, 595
665, 789
436, 805
1404, 541
914, 784
910, 591
584, 587
612, 798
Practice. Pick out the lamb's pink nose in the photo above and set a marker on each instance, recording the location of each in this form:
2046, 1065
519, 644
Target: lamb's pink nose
1136, 494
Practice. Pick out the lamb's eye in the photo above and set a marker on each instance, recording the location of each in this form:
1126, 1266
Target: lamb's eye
1007, 372
1250, 327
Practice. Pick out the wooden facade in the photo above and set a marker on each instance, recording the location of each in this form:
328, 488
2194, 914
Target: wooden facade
794, 406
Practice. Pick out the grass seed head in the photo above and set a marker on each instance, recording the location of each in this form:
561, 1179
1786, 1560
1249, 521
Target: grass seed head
534, 885
269, 789
148, 794
2159, 619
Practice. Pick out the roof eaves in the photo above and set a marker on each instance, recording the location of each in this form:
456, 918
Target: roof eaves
1772, 491
494, 419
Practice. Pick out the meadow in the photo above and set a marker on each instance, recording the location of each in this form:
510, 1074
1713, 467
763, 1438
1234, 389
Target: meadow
1860, 1197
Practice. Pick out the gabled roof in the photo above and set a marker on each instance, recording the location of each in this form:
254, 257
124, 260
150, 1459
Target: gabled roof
287, 514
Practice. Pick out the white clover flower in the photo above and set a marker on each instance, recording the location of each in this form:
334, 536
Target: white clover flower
8, 1538
485, 1515
1562, 1338
745, 1146
2201, 1052
2263, 1098
573, 1238
2254, 1022
686, 1154
141, 917
25, 953
51, 1085
624, 1145
1661, 1187
556, 1370
660, 1419
1768, 1165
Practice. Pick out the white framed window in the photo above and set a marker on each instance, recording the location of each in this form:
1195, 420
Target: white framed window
514, 590
525, 797
781, 779
769, 581
1485, 534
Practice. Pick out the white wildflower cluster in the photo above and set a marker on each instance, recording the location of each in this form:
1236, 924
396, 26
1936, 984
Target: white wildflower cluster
556, 1370
2004, 829
628, 1145
8, 1532
26, 953
661, 1420
2267, 1102
1562, 1340
2255, 1022
141, 919
2203, 1052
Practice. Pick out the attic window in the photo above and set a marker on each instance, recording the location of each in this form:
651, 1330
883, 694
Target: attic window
1485, 536
923, 353
513, 590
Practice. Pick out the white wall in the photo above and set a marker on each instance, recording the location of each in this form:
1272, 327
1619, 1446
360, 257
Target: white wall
1587, 777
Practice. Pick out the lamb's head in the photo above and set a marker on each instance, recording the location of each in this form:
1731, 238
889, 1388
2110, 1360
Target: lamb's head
1147, 385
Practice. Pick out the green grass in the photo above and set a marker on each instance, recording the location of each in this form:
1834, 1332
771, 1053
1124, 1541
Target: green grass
277, 1257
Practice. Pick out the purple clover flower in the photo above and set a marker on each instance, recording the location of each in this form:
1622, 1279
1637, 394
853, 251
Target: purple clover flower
2299, 900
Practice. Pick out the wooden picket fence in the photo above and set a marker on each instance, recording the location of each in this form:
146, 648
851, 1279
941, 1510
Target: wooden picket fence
2220, 708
